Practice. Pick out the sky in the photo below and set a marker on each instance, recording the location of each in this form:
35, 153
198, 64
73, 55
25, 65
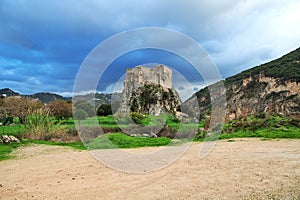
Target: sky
44, 43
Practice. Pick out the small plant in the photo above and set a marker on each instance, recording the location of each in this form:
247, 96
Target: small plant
200, 135
139, 118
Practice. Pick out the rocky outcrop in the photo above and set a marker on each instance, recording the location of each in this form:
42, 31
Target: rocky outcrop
261, 94
6, 139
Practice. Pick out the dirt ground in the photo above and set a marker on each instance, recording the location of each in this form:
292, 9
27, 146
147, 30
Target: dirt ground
242, 169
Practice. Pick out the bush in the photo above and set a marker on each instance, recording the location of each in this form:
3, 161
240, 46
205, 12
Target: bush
138, 118
60, 109
104, 110
200, 135
261, 115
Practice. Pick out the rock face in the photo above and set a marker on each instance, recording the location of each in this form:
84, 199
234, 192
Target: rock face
263, 95
149, 90
272, 88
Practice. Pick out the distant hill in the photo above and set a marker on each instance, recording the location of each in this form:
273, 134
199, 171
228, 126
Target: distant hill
47, 97
100, 98
273, 87
8, 92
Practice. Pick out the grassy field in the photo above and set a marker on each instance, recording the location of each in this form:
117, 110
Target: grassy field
292, 133
120, 140
5, 150
268, 128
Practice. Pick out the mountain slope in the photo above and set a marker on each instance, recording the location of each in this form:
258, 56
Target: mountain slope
270, 88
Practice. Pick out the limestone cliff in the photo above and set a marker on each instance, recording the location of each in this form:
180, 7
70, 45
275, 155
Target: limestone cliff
149, 91
270, 88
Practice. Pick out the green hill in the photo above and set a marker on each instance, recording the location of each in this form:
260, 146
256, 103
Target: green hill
269, 88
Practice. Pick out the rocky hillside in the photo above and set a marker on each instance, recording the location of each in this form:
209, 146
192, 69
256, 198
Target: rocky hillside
270, 88
47, 97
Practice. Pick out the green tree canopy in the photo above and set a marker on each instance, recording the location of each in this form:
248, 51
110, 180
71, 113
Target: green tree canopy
104, 110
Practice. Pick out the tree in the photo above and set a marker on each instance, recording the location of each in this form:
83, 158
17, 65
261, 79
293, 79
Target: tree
80, 114
20, 107
104, 110
86, 106
60, 109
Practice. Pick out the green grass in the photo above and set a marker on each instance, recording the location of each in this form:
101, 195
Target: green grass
14, 130
6, 149
76, 145
272, 127
120, 140
101, 142
291, 132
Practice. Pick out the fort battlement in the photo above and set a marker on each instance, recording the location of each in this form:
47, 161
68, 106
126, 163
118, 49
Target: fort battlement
140, 75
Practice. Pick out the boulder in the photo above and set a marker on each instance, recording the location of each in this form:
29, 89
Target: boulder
5, 139
14, 139
9, 139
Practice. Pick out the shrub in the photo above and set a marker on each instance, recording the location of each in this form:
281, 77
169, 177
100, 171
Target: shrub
138, 118
104, 110
200, 135
261, 115
60, 109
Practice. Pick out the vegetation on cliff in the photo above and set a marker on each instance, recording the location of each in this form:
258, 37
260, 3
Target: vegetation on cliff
285, 68
154, 99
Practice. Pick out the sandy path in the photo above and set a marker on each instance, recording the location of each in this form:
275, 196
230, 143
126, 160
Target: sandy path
248, 169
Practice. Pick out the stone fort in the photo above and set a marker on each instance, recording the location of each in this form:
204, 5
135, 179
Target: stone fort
139, 76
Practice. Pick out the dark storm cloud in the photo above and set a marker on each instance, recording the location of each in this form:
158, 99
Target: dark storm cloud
42, 44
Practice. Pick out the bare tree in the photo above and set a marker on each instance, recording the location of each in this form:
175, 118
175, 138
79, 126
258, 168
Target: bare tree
60, 109
20, 107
